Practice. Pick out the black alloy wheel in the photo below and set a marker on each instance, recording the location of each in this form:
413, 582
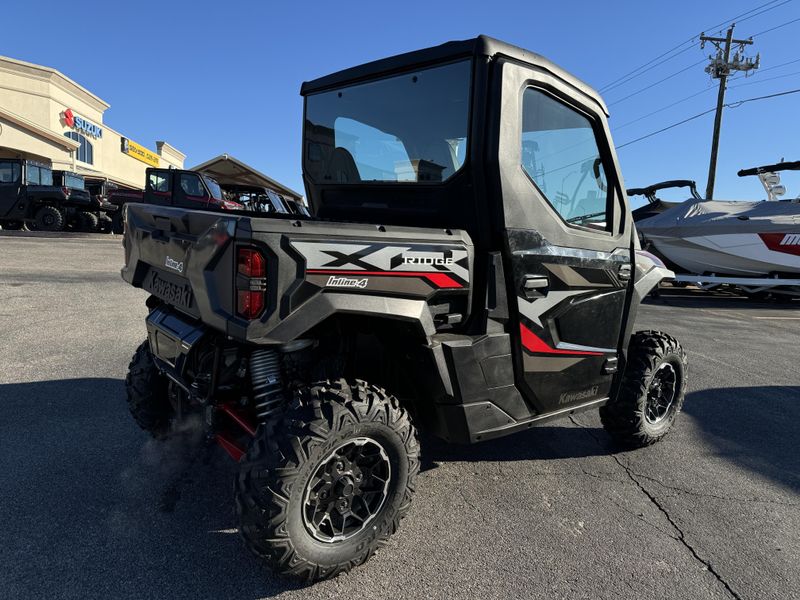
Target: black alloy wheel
347, 490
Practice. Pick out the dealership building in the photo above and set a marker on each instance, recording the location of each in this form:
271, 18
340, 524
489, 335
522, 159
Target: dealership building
47, 117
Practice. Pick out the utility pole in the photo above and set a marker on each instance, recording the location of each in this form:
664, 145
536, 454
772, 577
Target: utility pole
720, 67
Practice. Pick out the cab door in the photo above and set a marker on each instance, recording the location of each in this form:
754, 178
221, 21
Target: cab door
159, 187
189, 191
567, 236
11, 205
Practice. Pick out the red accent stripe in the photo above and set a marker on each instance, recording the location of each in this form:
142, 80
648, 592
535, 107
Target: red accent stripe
534, 343
238, 419
440, 280
232, 448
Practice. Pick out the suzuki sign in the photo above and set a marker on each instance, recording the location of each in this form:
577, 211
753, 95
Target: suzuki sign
76, 122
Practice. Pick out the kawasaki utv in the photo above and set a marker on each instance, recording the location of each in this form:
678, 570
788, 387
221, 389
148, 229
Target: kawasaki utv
471, 270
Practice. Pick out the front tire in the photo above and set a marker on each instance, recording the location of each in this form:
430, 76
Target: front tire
348, 451
49, 218
652, 391
148, 393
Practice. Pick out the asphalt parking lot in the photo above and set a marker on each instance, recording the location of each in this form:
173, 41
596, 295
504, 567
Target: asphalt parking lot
91, 508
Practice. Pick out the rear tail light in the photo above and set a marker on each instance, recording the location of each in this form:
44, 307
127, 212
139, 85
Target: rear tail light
252, 263
251, 283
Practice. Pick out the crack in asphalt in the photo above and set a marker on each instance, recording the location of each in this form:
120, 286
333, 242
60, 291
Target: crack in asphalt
715, 496
655, 502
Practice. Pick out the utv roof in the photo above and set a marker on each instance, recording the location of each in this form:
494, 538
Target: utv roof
479, 46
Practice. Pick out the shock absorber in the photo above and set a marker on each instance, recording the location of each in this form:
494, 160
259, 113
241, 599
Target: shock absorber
265, 378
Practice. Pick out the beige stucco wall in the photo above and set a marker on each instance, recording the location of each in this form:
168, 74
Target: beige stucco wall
40, 95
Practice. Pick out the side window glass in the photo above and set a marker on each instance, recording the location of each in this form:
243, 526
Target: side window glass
32, 175
560, 154
191, 186
9, 172
158, 182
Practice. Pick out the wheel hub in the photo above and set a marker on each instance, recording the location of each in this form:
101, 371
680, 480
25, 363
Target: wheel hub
661, 394
347, 490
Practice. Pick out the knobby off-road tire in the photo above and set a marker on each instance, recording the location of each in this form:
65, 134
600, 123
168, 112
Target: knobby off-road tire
147, 391
277, 500
652, 391
49, 218
88, 222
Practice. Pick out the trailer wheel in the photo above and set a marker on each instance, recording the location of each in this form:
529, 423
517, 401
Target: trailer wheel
652, 391
321, 488
148, 393
49, 218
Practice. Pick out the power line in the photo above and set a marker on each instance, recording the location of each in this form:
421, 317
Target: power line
765, 80
776, 27
639, 91
668, 127
689, 97
638, 71
738, 20
613, 86
663, 108
791, 62
744, 16
736, 104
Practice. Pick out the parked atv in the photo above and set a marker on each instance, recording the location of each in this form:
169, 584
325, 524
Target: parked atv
473, 271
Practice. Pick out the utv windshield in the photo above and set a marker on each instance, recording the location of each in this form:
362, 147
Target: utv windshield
406, 128
213, 187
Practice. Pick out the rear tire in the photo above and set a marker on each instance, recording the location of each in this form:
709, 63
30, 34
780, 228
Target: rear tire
652, 391
49, 218
87, 222
148, 393
335, 444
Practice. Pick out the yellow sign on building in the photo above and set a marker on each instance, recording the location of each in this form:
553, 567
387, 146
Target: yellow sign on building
138, 152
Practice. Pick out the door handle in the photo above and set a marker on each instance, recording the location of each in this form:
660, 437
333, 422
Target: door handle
535, 286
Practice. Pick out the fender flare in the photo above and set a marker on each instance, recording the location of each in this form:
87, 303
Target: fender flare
323, 306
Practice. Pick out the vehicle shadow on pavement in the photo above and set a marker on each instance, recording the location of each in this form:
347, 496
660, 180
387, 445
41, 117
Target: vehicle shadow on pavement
547, 442
755, 427
121, 511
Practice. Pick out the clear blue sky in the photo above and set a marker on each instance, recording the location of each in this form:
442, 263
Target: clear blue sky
213, 77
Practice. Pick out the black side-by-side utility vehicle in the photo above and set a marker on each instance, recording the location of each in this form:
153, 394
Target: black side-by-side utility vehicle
29, 195
471, 269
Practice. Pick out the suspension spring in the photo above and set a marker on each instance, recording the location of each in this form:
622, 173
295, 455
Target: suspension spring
265, 378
